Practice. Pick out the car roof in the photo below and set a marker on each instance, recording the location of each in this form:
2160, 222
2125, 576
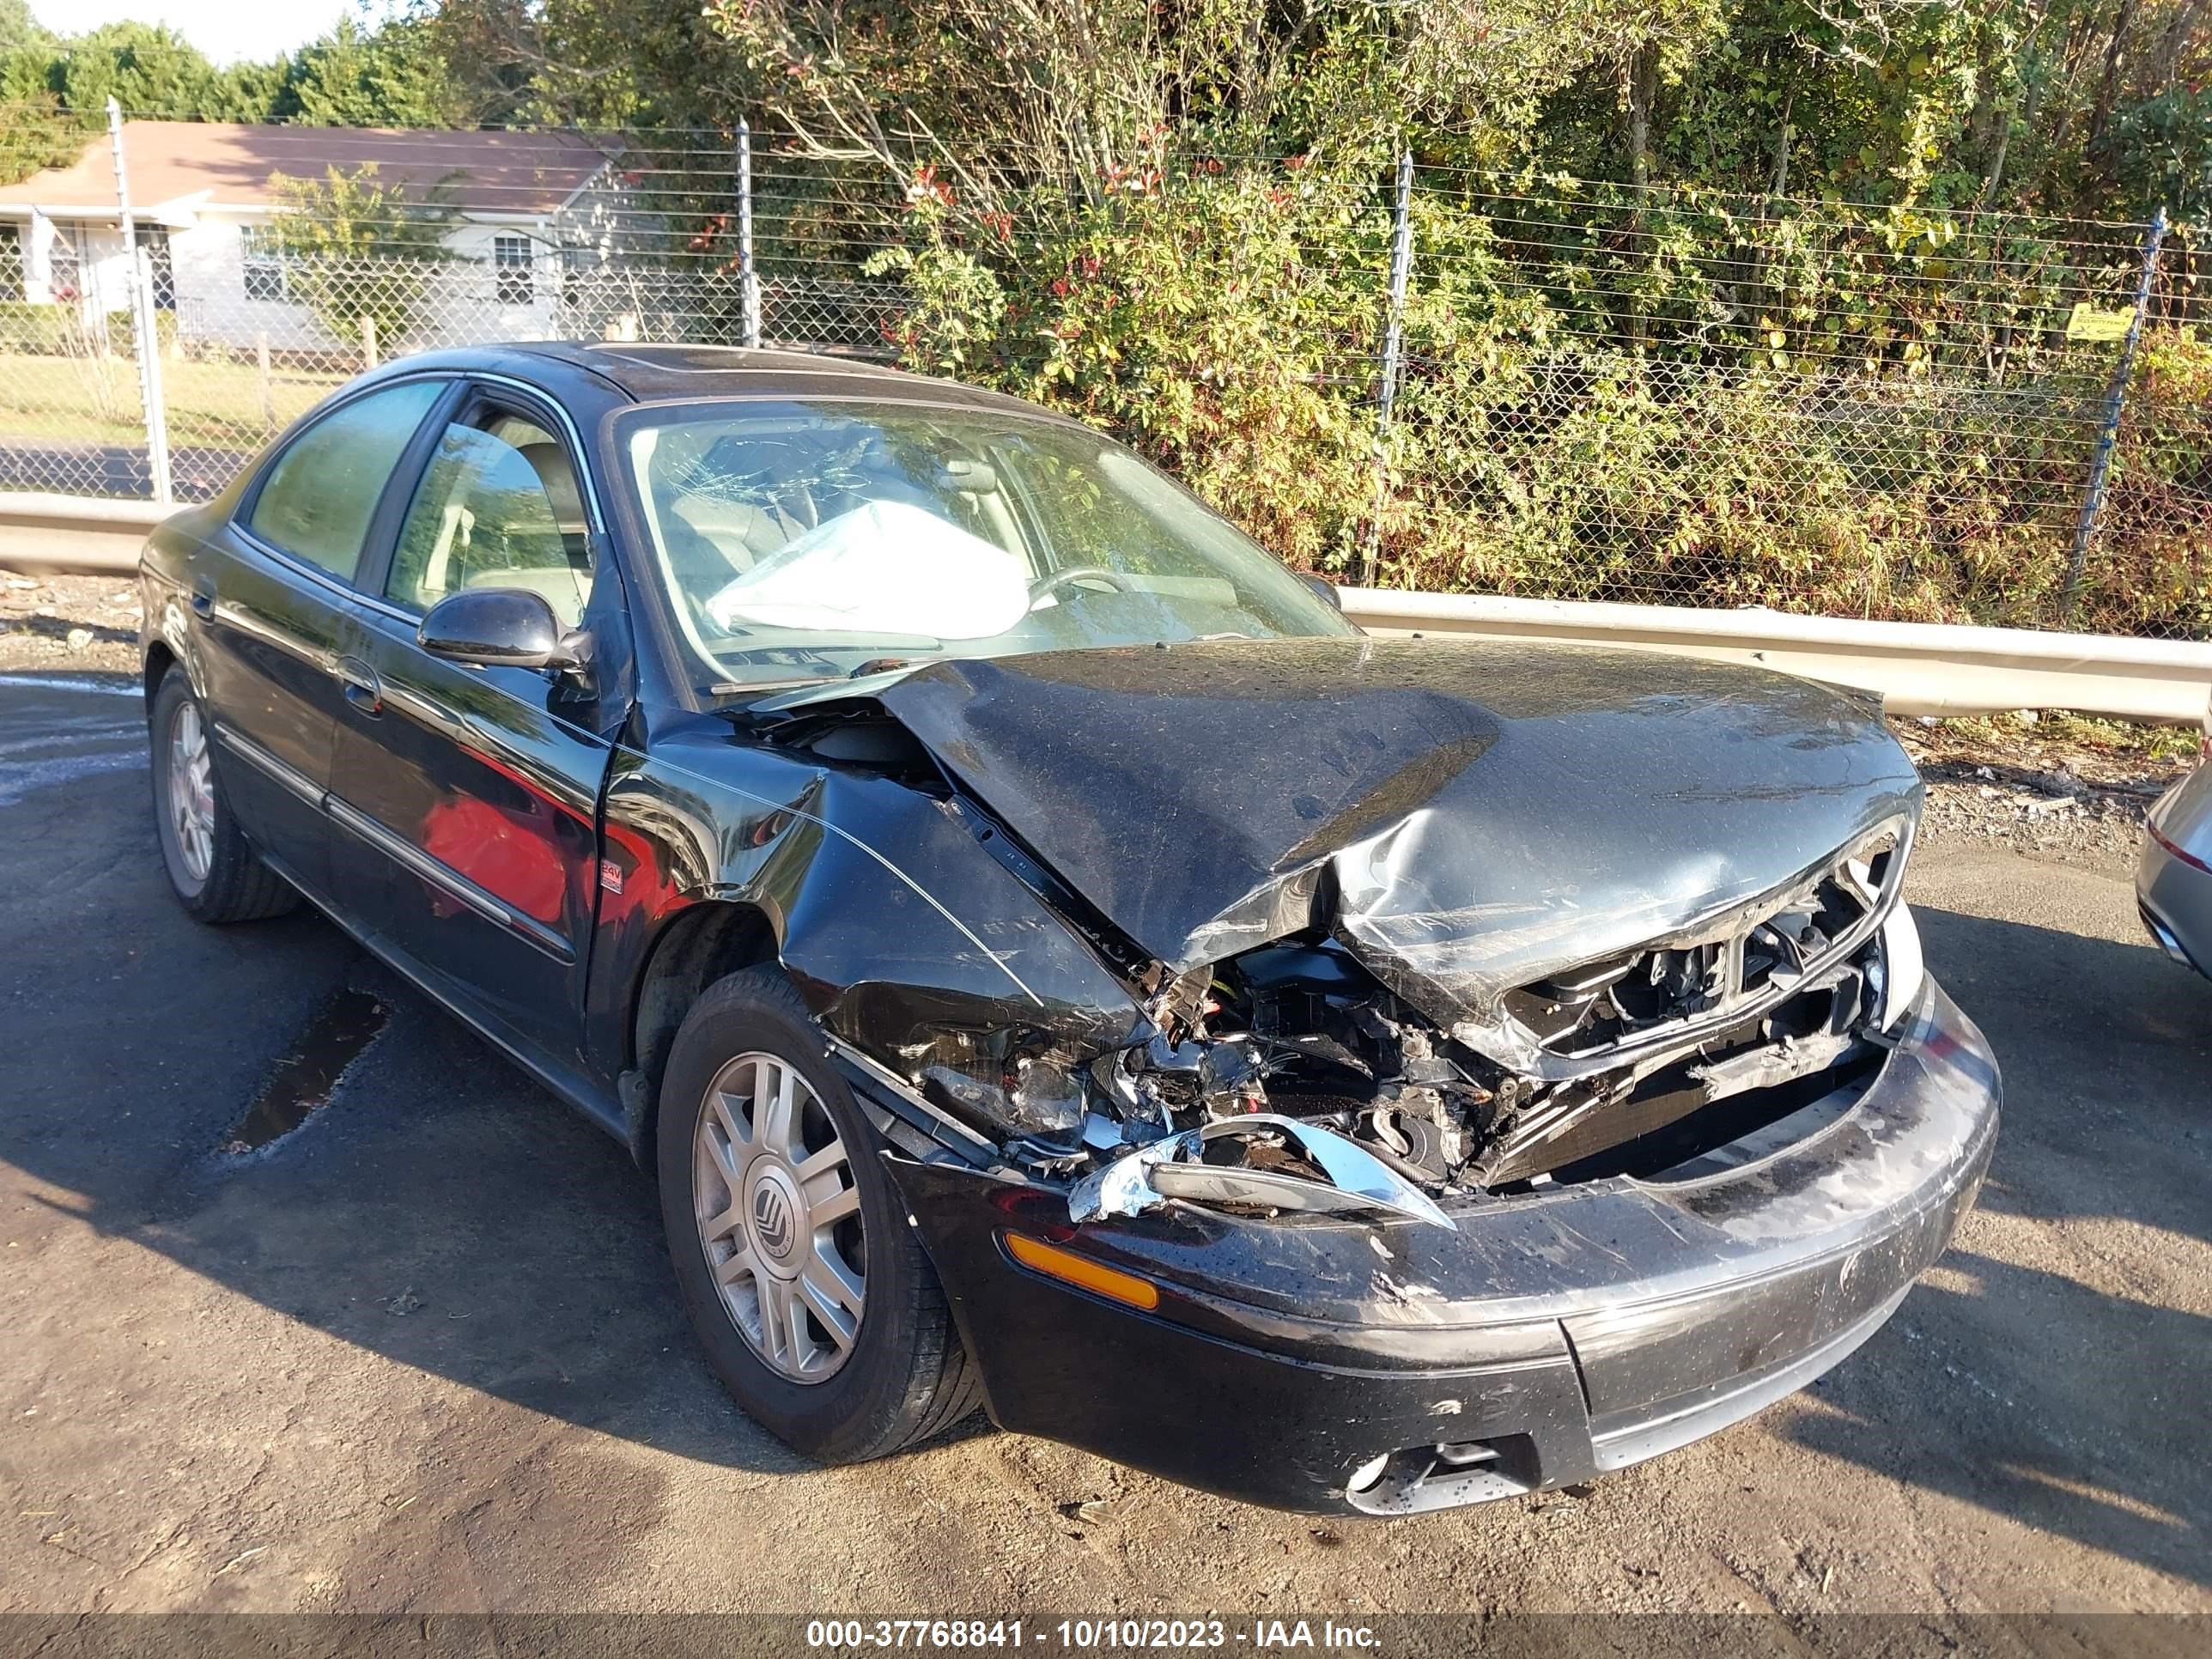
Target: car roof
650, 373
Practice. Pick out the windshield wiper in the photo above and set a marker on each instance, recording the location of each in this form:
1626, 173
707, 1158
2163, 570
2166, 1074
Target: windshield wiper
762, 688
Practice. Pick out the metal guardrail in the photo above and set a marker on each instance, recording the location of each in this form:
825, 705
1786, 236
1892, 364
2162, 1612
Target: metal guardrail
1920, 668
44, 531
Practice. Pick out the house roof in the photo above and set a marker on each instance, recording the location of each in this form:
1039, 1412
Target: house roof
229, 164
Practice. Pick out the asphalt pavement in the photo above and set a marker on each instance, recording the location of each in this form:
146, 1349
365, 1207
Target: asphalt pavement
421, 1354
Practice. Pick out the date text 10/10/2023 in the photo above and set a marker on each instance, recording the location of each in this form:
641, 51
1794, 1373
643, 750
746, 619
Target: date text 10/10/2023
1088, 1634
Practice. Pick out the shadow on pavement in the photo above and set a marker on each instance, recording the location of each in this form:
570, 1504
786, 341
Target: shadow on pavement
2051, 1390
442, 1211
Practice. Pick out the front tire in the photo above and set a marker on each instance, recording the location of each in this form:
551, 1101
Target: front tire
213, 869
794, 1258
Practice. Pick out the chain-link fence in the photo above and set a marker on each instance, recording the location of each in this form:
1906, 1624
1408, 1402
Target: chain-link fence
1420, 376
1647, 396
72, 418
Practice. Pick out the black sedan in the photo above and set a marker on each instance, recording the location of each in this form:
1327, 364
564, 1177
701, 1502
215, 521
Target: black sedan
1050, 960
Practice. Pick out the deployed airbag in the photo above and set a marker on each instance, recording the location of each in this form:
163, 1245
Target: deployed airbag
884, 569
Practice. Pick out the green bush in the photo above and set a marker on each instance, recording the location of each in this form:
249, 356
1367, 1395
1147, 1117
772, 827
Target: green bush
42, 329
56, 330
2152, 568
1191, 321
165, 330
1897, 430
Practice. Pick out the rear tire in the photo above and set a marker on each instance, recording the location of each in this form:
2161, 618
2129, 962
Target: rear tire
213, 869
812, 1226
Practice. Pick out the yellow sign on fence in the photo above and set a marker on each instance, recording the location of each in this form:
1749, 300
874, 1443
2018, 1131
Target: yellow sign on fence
2087, 323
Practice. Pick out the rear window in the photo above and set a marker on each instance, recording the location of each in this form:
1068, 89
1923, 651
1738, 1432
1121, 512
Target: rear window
318, 499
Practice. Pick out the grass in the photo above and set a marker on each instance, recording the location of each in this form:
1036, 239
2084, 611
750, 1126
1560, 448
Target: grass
218, 402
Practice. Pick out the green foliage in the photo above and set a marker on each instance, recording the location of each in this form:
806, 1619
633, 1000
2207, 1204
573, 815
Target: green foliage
145, 67
17, 27
1009, 95
54, 90
2153, 568
42, 330
2163, 150
1185, 315
118, 327
395, 77
357, 249
37, 132
590, 63
1893, 424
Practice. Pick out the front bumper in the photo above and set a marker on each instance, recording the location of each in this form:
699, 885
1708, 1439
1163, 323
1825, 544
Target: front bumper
1553, 1336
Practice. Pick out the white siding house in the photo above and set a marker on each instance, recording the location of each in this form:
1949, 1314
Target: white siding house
204, 201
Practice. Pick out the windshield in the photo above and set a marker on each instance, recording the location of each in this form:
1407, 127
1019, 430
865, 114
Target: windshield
820, 541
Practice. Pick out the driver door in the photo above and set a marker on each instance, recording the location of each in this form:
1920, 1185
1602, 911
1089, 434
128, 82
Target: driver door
465, 799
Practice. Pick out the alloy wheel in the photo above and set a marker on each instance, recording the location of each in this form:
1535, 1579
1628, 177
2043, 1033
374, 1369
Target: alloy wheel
191, 779
779, 1215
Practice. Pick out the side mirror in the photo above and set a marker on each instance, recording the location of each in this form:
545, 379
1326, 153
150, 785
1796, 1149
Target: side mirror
501, 628
1325, 588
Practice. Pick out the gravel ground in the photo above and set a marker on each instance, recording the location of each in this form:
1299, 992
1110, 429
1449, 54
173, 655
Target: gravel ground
69, 624
420, 1356
2040, 795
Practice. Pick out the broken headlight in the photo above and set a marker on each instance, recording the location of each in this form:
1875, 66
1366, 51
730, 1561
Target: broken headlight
1002, 1083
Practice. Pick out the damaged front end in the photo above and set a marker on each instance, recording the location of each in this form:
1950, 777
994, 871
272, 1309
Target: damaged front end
1483, 1093
1577, 1073
1441, 943
1256, 1161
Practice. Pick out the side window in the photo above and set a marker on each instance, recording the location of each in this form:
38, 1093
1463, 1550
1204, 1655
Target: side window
318, 499
498, 508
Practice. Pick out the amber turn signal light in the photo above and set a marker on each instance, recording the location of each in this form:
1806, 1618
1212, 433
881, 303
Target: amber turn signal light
1082, 1273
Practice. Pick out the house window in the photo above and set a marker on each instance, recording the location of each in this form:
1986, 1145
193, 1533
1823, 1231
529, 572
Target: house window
264, 262
154, 239
65, 265
511, 258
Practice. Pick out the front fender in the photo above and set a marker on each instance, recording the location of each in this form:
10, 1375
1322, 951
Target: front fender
894, 923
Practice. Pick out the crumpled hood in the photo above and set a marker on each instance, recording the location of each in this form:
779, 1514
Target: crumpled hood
1466, 815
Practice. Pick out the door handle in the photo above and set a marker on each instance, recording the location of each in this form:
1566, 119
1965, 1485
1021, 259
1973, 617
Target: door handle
364, 692
202, 598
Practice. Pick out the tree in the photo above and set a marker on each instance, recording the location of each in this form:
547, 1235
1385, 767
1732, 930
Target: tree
1077, 95
35, 131
148, 68
357, 250
395, 77
18, 28
590, 62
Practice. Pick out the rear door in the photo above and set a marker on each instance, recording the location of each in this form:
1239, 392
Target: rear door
271, 602
466, 800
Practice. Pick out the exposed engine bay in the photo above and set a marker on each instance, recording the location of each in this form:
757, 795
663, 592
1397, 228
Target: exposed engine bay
1298, 1032
1288, 1079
